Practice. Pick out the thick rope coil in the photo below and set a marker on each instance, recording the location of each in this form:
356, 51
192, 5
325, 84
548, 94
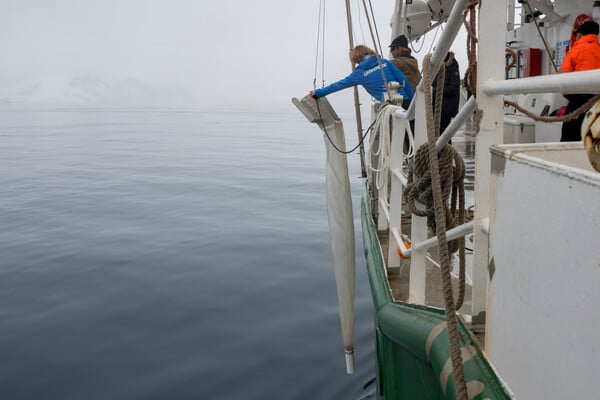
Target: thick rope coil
440, 208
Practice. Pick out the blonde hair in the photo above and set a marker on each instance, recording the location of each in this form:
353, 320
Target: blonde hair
359, 53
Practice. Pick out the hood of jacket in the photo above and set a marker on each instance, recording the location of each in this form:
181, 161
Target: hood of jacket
449, 59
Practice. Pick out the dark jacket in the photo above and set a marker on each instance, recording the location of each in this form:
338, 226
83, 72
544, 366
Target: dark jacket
451, 95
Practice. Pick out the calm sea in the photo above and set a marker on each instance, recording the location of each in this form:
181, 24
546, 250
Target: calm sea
172, 254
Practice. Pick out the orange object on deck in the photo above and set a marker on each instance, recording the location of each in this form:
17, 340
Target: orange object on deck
407, 245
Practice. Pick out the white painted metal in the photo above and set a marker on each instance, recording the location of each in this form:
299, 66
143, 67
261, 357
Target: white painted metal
451, 234
510, 23
573, 82
418, 270
456, 123
490, 67
542, 319
547, 9
400, 176
396, 160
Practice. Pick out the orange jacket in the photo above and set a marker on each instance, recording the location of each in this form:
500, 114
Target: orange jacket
584, 55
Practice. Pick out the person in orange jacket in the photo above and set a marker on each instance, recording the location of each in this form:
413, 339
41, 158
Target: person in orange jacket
583, 56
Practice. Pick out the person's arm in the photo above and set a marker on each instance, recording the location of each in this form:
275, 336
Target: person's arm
407, 91
568, 64
349, 81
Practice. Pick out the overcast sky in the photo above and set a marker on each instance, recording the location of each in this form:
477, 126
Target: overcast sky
218, 51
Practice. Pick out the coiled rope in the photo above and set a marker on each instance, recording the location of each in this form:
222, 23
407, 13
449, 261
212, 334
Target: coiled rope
430, 168
380, 143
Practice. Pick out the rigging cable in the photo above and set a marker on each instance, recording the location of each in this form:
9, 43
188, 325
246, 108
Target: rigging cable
331, 141
320, 22
357, 114
541, 36
377, 52
362, 33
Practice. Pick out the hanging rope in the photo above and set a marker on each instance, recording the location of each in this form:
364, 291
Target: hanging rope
380, 144
470, 77
434, 191
566, 117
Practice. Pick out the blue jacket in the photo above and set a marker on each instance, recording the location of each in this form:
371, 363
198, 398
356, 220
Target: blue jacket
368, 74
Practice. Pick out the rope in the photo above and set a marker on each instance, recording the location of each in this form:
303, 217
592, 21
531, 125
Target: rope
381, 150
362, 33
566, 117
438, 195
470, 77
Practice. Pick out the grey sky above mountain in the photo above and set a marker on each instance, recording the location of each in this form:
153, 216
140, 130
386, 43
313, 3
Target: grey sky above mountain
215, 52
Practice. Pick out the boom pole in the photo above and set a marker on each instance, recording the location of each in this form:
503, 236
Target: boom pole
359, 128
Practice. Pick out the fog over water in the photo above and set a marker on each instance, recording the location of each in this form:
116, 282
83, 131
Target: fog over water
150, 52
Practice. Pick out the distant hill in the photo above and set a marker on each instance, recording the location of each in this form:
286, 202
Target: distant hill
88, 91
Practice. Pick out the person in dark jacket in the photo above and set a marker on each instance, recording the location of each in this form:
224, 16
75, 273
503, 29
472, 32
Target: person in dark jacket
405, 62
451, 96
368, 75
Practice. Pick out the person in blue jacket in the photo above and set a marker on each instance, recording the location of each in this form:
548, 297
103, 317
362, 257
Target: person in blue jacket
368, 74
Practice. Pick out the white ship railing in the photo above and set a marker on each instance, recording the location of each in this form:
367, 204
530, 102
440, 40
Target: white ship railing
390, 217
491, 88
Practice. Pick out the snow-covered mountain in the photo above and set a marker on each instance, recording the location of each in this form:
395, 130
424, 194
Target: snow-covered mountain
88, 91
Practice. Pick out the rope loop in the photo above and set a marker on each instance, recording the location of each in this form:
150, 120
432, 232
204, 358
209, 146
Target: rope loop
435, 177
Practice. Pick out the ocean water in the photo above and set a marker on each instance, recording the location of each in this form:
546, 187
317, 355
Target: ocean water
172, 254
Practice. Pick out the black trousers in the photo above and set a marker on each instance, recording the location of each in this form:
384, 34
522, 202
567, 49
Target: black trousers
571, 130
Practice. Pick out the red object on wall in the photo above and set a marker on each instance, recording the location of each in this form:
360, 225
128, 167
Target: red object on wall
531, 62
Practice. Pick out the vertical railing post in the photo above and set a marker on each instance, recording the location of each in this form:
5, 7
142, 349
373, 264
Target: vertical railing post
418, 270
490, 66
396, 158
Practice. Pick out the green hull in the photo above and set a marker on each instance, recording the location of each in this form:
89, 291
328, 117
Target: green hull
413, 351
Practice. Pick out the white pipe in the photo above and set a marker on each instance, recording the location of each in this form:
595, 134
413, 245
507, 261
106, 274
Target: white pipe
350, 368
448, 35
384, 207
452, 234
456, 123
572, 82
396, 234
455, 22
398, 174
404, 21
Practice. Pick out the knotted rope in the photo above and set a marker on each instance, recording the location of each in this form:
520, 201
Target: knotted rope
429, 168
